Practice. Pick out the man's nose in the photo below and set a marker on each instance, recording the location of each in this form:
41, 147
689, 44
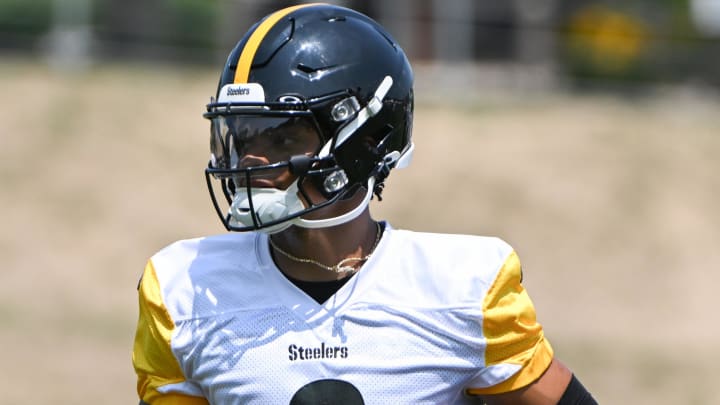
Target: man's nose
253, 159
254, 153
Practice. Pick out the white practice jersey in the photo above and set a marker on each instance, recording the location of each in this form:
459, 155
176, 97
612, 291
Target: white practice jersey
429, 319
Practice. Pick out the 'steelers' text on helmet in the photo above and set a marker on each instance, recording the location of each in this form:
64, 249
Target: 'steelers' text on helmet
313, 68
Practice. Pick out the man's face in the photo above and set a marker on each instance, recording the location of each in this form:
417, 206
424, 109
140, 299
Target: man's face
242, 142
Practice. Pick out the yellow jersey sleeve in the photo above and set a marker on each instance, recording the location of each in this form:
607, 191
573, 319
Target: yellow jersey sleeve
512, 332
153, 360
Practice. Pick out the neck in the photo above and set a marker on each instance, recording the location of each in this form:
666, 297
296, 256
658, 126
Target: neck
329, 246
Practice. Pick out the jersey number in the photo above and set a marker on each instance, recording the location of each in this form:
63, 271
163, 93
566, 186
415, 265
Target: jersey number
328, 392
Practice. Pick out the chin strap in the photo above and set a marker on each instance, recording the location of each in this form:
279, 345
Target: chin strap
340, 219
391, 160
272, 204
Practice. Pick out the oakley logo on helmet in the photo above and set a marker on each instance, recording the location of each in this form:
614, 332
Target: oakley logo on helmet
290, 99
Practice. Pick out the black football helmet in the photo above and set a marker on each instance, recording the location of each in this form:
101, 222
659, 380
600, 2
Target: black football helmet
327, 95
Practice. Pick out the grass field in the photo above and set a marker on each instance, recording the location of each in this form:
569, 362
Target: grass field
612, 203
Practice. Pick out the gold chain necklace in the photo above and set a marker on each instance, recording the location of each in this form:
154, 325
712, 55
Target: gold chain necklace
342, 266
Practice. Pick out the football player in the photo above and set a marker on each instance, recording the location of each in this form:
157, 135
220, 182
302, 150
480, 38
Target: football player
309, 300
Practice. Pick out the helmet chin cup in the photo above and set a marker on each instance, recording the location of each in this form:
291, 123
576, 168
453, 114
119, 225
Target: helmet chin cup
264, 205
271, 204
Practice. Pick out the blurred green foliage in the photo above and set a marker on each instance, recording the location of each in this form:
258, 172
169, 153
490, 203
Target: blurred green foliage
165, 23
194, 21
25, 17
176, 23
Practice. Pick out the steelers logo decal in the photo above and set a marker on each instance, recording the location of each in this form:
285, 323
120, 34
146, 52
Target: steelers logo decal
327, 392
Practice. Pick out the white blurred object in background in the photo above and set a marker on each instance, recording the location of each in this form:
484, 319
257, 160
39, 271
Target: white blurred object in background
706, 16
68, 43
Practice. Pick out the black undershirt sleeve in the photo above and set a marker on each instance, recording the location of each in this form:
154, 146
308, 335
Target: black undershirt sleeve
576, 394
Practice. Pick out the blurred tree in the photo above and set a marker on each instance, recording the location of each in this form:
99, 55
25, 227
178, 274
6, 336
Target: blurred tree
156, 29
23, 21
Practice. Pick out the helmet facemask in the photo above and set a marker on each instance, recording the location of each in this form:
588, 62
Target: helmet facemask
273, 166
265, 167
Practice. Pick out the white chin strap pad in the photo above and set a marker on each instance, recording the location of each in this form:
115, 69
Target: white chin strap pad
340, 219
270, 204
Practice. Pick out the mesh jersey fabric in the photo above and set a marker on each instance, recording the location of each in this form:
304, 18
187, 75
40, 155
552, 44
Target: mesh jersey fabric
429, 318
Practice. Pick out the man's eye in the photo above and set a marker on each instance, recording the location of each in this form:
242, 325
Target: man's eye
283, 140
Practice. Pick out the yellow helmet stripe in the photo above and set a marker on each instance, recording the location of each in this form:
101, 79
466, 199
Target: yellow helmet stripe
248, 53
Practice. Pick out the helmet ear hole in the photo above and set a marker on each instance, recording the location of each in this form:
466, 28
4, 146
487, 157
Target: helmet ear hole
360, 155
383, 139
